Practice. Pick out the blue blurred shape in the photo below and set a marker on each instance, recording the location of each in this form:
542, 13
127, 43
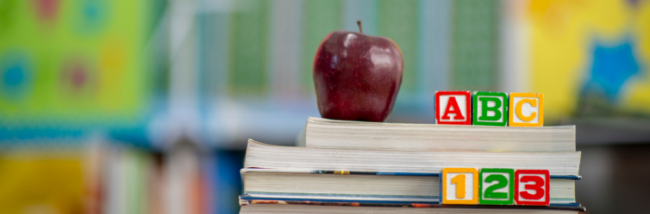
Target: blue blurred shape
14, 74
611, 67
94, 15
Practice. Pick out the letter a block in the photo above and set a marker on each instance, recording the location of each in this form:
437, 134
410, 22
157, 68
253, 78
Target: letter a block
454, 107
459, 186
497, 186
526, 109
532, 187
490, 108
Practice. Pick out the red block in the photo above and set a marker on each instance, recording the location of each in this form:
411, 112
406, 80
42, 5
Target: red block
454, 107
532, 187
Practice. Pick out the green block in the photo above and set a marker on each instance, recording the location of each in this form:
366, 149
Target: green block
490, 108
496, 186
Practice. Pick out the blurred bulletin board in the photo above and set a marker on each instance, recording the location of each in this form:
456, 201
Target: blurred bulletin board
73, 63
591, 58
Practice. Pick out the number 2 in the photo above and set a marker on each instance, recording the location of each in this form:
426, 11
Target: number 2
502, 182
497, 186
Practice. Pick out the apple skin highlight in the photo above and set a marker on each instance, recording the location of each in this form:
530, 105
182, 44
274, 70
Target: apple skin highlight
357, 77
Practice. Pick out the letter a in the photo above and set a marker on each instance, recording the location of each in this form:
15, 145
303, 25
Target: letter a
452, 103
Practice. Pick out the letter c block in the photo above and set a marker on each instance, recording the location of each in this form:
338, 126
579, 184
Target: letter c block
453, 107
526, 109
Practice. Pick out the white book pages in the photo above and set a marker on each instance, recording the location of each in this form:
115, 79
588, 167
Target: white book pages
260, 155
341, 134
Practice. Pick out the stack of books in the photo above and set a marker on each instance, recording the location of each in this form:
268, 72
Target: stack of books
351, 167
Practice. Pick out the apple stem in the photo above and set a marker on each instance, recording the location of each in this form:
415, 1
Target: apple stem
359, 23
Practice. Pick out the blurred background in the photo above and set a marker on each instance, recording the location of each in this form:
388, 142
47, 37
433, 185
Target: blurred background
122, 106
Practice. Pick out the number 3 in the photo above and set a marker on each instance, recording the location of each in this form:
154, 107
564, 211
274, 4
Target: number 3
536, 187
532, 187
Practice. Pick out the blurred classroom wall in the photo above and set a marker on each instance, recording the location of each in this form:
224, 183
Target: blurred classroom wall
145, 106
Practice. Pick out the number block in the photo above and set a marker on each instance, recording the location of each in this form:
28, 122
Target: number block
453, 107
526, 109
497, 186
459, 186
490, 108
532, 187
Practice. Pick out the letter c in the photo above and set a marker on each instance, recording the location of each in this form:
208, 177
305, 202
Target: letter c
521, 116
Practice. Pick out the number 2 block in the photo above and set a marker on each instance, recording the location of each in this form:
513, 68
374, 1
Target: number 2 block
532, 187
459, 186
490, 108
497, 186
453, 107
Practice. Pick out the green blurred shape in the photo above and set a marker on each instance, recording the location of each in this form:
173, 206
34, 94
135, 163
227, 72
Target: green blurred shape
249, 45
474, 45
398, 20
117, 91
320, 17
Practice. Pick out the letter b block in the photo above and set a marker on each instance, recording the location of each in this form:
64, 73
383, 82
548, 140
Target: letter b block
490, 108
526, 109
454, 107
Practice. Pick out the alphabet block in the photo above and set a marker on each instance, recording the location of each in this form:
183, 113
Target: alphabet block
454, 107
526, 109
532, 187
459, 186
497, 186
490, 108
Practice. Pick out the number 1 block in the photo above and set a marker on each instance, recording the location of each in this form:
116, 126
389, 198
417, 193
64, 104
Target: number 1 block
532, 187
497, 186
490, 108
459, 186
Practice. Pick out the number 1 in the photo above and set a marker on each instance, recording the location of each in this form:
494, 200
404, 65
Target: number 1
459, 186
459, 181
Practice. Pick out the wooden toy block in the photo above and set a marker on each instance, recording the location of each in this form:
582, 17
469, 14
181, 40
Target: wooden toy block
526, 109
497, 186
532, 187
490, 108
459, 186
453, 107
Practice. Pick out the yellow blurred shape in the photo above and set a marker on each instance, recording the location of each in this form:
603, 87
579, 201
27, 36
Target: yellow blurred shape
41, 183
562, 33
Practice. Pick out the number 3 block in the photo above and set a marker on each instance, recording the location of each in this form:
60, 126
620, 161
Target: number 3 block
459, 186
497, 186
532, 187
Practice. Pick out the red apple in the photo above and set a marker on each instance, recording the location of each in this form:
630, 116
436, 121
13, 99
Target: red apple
357, 76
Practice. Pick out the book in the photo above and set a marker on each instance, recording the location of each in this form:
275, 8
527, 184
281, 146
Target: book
259, 155
365, 186
341, 134
304, 206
